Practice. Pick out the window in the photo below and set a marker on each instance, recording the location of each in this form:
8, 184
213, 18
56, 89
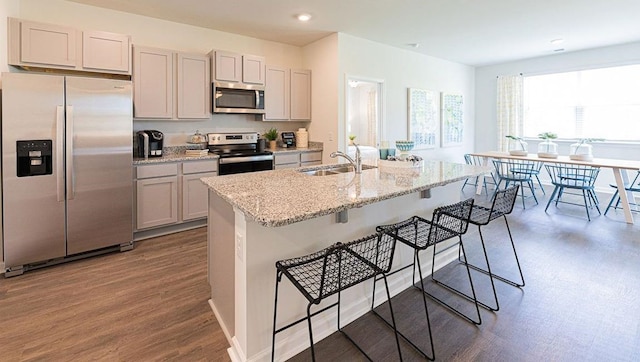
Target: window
599, 103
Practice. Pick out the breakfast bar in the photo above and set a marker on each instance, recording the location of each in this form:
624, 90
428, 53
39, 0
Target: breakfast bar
256, 219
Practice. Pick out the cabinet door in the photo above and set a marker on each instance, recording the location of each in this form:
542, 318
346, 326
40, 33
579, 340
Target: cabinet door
228, 66
106, 51
300, 94
195, 197
194, 86
276, 94
152, 83
48, 44
253, 69
156, 202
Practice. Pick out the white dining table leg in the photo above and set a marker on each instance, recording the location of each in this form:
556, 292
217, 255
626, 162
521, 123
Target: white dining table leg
480, 183
622, 179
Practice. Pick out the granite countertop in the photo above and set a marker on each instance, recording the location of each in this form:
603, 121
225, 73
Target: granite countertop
283, 197
313, 147
174, 157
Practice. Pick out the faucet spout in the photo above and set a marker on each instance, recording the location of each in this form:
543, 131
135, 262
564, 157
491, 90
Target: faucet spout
357, 163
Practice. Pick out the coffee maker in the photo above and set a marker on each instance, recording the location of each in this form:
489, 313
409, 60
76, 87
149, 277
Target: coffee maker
288, 139
150, 143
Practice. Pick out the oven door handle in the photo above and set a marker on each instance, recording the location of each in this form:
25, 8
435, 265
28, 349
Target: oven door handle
228, 160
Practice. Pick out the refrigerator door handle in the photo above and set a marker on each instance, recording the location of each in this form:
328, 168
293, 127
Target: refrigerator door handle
69, 140
60, 153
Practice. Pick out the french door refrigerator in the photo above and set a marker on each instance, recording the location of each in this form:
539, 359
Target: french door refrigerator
66, 168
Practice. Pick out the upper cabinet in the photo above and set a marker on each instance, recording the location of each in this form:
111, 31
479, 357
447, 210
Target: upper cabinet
287, 94
238, 68
59, 47
170, 85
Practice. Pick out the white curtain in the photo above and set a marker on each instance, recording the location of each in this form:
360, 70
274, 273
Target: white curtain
509, 109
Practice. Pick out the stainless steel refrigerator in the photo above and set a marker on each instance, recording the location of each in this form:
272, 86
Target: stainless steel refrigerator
66, 168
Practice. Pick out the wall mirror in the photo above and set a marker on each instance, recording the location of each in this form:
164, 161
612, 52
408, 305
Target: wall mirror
364, 111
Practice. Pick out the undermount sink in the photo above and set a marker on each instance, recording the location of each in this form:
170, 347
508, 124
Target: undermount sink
338, 169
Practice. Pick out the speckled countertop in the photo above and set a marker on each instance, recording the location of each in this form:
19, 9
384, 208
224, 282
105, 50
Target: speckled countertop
177, 154
261, 195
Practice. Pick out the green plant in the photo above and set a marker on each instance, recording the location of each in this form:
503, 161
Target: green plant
582, 141
352, 137
271, 134
548, 136
519, 139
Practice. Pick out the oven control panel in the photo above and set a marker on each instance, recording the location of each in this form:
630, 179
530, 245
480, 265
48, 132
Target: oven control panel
232, 138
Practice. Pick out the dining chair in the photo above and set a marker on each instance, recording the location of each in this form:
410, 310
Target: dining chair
478, 161
633, 186
574, 177
516, 171
332, 270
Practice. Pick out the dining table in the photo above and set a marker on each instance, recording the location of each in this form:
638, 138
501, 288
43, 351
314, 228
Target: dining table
619, 168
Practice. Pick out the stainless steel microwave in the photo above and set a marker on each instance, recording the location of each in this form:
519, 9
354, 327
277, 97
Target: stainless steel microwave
237, 98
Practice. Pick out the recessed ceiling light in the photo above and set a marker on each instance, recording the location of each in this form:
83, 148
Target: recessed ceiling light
304, 17
557, 41
558, 50
414, 45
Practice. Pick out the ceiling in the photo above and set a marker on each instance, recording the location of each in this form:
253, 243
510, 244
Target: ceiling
473, 32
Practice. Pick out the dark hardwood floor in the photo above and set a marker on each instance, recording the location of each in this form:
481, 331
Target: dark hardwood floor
147, 304
581, 301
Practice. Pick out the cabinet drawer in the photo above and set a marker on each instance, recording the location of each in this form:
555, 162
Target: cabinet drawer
311, 156
199, 166
287, 158
147, 171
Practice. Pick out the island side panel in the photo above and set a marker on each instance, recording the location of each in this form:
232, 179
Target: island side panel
265, 245
221, 266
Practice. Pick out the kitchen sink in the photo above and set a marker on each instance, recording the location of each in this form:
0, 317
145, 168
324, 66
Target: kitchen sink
338, 169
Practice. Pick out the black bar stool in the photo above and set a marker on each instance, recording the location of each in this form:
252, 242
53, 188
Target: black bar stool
502, 205
447, 222
332, 270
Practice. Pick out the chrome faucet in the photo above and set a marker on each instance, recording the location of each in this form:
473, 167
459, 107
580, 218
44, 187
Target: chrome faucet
357, 164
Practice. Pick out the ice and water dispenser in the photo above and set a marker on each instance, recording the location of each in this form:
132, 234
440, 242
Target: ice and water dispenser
34, 157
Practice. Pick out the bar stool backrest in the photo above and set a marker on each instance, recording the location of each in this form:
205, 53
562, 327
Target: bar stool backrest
504, 200
449, 219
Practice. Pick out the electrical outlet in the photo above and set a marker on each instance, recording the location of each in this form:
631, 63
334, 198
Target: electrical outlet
239, 246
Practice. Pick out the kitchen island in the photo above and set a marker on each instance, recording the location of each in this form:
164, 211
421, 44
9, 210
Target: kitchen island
258, 218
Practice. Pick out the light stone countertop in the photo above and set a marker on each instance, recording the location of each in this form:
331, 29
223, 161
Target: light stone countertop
283, 197
172, 158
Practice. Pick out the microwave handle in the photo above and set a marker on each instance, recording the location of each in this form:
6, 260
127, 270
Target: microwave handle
258, 100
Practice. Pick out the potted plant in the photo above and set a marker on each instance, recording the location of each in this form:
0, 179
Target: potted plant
547, 148
582, 150
518, 147
351, 139
271, 135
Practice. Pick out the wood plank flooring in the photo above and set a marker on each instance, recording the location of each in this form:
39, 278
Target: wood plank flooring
147, 304
581, 301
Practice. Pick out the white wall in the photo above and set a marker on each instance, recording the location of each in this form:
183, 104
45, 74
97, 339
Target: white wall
485, 91
400, 69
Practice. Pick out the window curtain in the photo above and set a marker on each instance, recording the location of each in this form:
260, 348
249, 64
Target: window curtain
509, 109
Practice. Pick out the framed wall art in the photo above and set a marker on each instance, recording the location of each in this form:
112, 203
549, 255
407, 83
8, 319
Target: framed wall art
423, 117
451, 128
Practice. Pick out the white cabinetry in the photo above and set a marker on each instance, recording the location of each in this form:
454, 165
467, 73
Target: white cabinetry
287, 94
62, 47
156, 195
171, 194
170, 85
296, 159
234, 67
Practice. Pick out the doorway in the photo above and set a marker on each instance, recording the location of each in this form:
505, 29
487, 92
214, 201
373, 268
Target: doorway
364, 111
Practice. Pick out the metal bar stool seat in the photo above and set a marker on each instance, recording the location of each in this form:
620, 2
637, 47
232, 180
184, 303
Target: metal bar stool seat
516, 171
633, 186
329, 272
447, 222
574, 177
501, 206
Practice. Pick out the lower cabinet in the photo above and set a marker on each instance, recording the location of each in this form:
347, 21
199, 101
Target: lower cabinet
169, 195
297, 159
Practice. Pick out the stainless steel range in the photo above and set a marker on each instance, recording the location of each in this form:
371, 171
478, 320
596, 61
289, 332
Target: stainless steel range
239, 153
